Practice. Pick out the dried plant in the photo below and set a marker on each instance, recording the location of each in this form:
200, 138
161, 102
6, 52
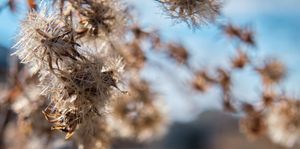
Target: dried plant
78, 82
140, 115
193, 12
240, 60
178, 52
253, 124
44, 41
243, 34
272, 72
203, 81
99, 17
283, 122
83, 62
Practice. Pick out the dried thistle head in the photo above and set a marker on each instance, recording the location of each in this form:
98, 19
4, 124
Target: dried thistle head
134, 55
99, 17
94, 133
283, 122
243, 34
178, 52
138, 115
253, 125
80, 92
240, 60
202, 81
272, 72
193, 12
45, 40
91, 79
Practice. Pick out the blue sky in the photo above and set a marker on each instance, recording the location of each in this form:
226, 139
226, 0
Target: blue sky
276, 24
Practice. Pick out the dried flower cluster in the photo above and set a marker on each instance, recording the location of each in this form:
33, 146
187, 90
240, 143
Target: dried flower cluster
272, 72
283, 122
98, 17
139, 114
279, 121
240, 60
78, 78
78, 84
243, 34
193, 12
253, 125
82, 75
277, 116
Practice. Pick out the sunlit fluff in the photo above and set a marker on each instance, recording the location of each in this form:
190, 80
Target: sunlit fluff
193, 12
139, 115
283, 122
45, 40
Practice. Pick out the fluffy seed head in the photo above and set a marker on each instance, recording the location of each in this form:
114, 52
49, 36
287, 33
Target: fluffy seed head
240, 60
193, 12
100, 17
138, 115
44, 40
253, 125
93, 133
202, 81
283, 122
272, 72
79, 91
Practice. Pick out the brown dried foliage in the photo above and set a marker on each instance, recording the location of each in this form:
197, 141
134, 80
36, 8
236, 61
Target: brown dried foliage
83, 84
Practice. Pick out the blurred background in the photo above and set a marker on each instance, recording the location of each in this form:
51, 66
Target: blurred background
196, 120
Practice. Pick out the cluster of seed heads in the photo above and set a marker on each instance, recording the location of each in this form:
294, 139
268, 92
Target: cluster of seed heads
79, 82
81, 61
